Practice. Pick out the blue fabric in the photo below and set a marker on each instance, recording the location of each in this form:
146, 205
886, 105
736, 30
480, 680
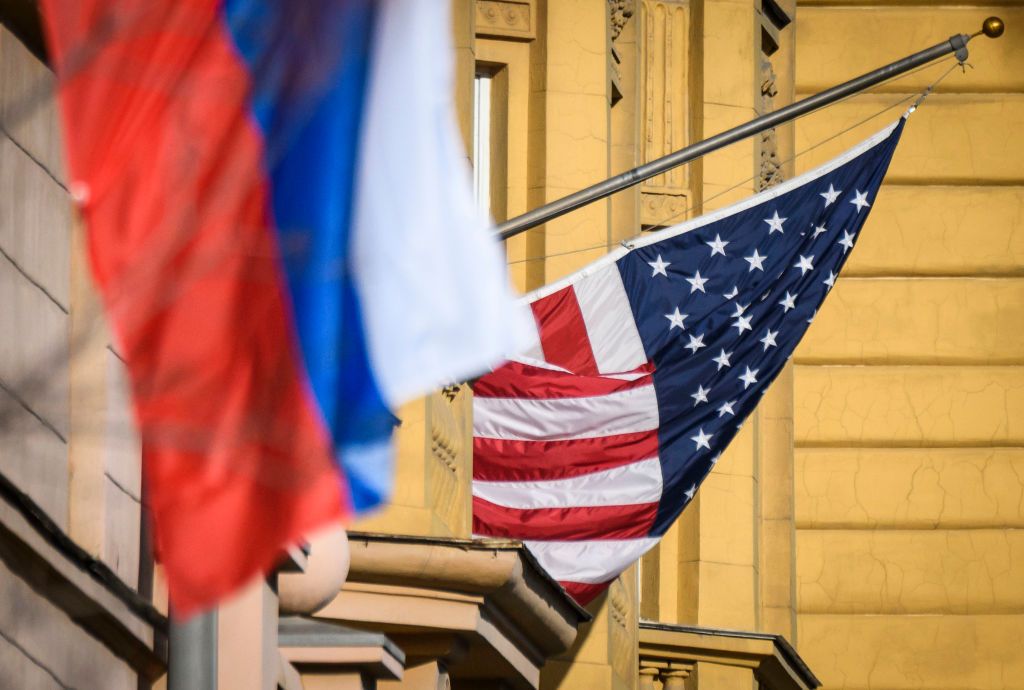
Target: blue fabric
309, 63
658, 276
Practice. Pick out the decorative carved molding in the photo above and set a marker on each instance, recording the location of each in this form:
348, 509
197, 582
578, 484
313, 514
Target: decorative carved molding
657, 209
506, 19
622, 640
670, 674
619, 13
664, 123
770, 172
448, 467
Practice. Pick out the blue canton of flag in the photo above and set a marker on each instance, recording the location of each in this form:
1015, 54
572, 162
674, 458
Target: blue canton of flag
650, 359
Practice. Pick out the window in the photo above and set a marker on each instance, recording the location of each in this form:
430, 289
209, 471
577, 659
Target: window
482, 88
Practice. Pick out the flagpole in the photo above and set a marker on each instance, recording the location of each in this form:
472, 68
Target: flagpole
192, 653
957, 44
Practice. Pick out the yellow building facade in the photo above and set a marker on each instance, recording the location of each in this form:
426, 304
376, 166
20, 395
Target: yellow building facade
871, 511
865, 529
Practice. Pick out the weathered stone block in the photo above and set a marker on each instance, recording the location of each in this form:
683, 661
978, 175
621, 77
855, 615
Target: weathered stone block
895, 321
18, 670
122, 451
577, 49
33, 347
909, 488
874, 36
45, 633
988, 146
28, 104
122, 522
732, 34
910, 406
941, 230
727, 519
34, 458
914, 652
962, 571
35, 219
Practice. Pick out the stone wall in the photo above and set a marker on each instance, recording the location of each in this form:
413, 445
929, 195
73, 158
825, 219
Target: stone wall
909, 390
66, 437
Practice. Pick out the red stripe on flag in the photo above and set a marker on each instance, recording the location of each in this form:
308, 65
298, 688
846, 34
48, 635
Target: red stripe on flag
563, 524
563, 333
502, 460
585, 592
519, 380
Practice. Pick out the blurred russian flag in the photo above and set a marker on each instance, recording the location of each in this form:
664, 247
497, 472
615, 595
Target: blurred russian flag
281, 226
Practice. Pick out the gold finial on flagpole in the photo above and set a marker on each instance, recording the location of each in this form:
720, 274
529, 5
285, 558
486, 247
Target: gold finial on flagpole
993, 27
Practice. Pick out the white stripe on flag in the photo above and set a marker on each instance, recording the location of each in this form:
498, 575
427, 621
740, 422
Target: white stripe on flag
624, 412
589, 562
632, 484
604, 305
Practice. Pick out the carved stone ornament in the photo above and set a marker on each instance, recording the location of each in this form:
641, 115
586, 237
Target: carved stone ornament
620, 11
663, 30
770, 172
505, 19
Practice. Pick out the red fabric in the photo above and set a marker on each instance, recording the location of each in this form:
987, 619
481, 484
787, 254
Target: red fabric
585, 592
507, 460
567, 524
162, 148
563, 332
530, 382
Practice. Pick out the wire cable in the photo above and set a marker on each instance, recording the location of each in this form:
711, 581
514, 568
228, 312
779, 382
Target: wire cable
919, 96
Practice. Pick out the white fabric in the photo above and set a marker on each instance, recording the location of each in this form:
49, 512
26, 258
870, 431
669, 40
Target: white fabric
611, 327
589, 562
634, 484
623, 412
437, 305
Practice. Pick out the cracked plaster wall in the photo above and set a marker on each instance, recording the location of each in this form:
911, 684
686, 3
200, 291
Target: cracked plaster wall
909, 389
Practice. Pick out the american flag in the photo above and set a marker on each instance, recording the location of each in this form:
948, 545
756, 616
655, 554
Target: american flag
649, 360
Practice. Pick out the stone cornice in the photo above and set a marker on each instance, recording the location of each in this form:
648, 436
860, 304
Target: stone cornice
489, 594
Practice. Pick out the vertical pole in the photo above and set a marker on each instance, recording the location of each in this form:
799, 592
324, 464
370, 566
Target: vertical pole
193, 653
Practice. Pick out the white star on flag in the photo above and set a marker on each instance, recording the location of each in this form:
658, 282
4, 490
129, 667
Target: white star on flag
676, 320
717, 245
774, 223
804, 263
702, 439
690, 492
831, 195
818, 230
788, 302
732, 293
860, 200
726, 408
769, 339
742, 323
756, 261
696, 283
695, 343
748, 377
847, 241
831, 280
701, 396
659, 266
722, 360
